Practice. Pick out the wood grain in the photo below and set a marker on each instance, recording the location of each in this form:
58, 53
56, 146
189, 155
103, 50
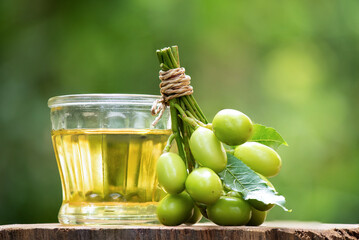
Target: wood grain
271, 230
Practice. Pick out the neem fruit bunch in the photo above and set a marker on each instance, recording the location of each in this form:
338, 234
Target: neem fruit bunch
221, 168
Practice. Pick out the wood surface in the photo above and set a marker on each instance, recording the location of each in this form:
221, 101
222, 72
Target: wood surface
270, 230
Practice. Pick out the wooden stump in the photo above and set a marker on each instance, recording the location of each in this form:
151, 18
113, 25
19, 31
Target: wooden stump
270, 230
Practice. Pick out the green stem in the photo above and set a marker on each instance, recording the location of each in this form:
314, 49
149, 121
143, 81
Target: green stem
185, 131
173, 58
159, 56
194, 102
169, 143
190, 108
164, 67
166, 58
175, 131
183, 106
190, 160
189, 114
175, 54
181, 126
180, 110
190, 121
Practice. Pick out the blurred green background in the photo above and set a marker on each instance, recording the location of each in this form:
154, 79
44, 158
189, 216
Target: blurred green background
292, 65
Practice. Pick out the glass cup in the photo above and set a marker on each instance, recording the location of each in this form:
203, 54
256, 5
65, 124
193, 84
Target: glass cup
106, 150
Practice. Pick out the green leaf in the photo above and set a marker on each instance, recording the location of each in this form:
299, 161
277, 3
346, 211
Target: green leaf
239, 177
267, 136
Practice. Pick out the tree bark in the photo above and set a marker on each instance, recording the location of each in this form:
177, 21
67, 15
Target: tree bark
270, 230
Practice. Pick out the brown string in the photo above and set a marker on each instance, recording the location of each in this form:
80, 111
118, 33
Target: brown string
174, 83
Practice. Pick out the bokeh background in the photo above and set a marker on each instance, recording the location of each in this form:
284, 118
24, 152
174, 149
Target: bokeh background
292, 65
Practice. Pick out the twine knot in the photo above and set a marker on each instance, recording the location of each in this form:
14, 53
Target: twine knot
174, 83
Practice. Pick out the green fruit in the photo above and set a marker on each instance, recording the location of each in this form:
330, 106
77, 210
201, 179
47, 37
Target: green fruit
260, 158
232, 127
229, 211
266, 179
174, 210
171, 172
207, 150
204, 186
196, 216
258, 217
260, 205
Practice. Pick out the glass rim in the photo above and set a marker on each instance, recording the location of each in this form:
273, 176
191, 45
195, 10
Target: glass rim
101, 99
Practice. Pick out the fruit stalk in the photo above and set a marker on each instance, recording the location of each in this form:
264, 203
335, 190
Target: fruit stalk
182, 123
175, 128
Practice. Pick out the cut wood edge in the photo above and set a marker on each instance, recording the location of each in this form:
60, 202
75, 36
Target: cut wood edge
270, 230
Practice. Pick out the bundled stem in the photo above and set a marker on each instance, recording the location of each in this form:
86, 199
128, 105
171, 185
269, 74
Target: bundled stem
186, 115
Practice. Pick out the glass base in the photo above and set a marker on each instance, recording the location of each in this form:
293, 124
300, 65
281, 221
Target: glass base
108, 214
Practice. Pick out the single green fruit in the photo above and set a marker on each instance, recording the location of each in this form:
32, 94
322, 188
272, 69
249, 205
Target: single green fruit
204, 186
260, 158
229, 211
207, 150
260, 205
174, 210
232, 127
171, 172
196, 216
266, 179
258, 217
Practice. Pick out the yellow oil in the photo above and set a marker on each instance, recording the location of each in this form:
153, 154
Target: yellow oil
108, 175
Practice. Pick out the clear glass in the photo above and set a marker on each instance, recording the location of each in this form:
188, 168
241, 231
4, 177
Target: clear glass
106, 150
